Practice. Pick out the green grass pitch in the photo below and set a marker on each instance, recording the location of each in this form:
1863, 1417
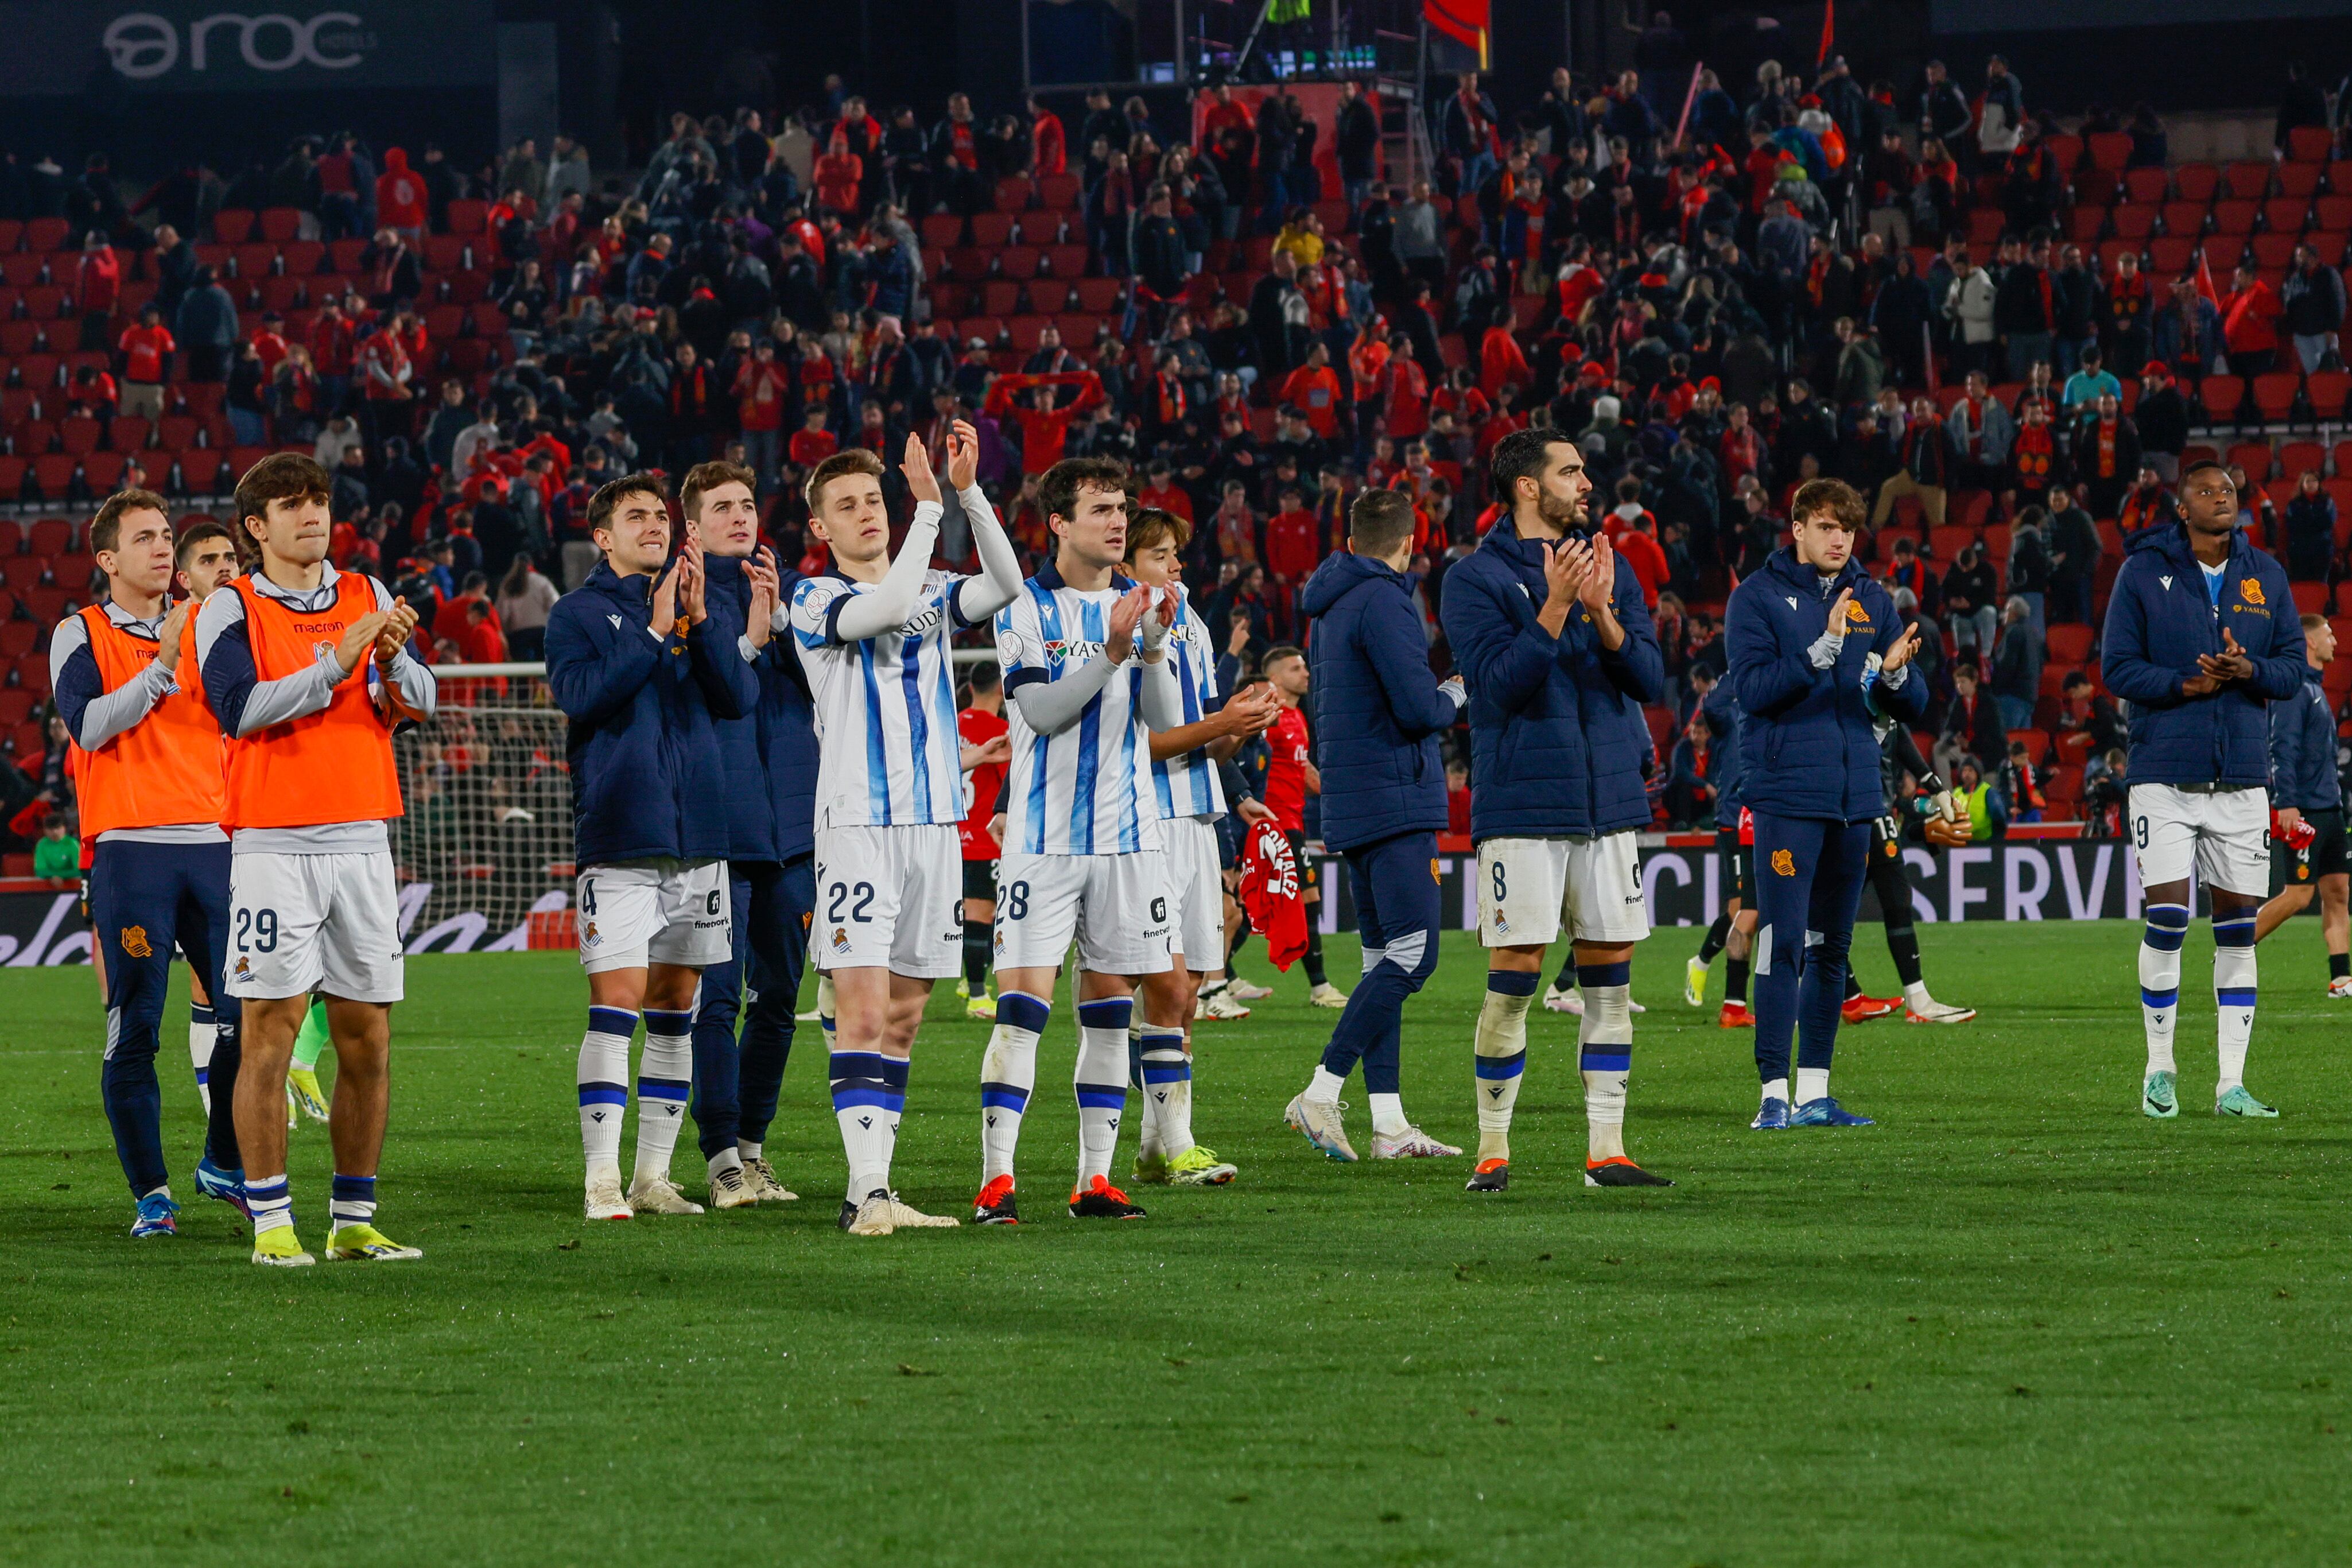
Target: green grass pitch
2015, 1323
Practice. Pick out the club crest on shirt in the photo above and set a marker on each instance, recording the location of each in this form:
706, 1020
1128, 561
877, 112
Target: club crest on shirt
2250, 590
840, 939
244, 966
1855, 616
134, 943
1784, 863
588, 937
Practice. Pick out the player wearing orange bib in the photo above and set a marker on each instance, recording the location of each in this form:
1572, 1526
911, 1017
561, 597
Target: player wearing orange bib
147, 768
306, 670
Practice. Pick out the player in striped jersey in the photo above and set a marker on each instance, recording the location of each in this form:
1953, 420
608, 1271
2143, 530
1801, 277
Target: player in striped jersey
873, 636
1184, 773
1087, 675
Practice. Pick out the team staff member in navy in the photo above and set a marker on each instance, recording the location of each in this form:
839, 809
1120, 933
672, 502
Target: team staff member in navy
1550, 631
1817, 653
1378, 714
2308, 851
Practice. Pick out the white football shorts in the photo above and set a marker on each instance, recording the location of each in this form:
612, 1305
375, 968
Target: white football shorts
2224, 834
632, 913
1115, 906
1196, 890
1529, 889
891, 898
300, 922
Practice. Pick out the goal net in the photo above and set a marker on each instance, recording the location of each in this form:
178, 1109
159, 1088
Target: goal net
484, 853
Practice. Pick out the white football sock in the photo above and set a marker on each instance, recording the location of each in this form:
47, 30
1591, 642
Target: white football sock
2159, 980
1387, 1115
1776, 1088
200, 1052
1813, 1084
861, 1104
1606, 1055
665, 1078
1325, 1086
1166, 1089
1008, 1071
2234, 996
1099, 1082
1500, 1042
604, 1079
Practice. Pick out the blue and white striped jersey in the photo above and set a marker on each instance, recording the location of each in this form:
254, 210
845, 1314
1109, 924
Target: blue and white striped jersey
1188, 785
887, 751
1089, 790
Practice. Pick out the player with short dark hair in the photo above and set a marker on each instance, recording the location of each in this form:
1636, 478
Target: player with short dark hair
1191, 801
1818, 655
306, 670
770, 760
1550, 629
1379, 713
641, 663
2201, 639
147, 764
1084, 648
1291, 776
2307, 849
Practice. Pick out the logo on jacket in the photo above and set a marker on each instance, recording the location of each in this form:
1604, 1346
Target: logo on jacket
1855, 616
1792, 598
2250, 591
615, 620
134, 943
1784, 863
2166, 580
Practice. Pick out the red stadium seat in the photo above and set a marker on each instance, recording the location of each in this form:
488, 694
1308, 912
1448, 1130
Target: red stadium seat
1020, 261
991, 230
2069, 644
53, 472
2325, 388
2235, 217
2275, 251
80, 434
2247, 180
2287, 215
279, 224
2310, 598
2221, 395
998, 298
2254, 457
1048, 295
1012, 195
2147, 187
1067, 261
2309, 143
2109, 149
2185, 217
1099, 296
2275, 397
943, 230
233, 226
2196, 181
470, 216
2168, 255
2299, 180
103, 471
2294, 457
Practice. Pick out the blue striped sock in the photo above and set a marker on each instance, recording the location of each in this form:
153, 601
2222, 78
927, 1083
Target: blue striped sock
271, 1203
604, 1079
665, 1079
861, 1104
353, 1200
2235, 991
1008, 1071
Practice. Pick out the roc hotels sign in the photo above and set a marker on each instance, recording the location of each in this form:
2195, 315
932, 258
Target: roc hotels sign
181, 46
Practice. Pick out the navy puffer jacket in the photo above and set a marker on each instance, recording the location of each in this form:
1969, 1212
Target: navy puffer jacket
774, 744
1810, 744
1378, 711
2159, 618
1557, 735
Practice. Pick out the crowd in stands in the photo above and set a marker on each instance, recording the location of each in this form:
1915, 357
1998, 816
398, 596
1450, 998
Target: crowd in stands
2006, 332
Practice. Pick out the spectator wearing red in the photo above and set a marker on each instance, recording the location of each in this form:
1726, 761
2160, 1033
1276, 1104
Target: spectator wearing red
1314, 389
269, 343
334, 348
98, 286
1049, 144
1406, 414
400, 197
837, 176
1634, 534
1236, 526
1367, 369
1161, 492
811, 443
144, 348
1293, 550
761, 388
2249, 317
1044, 430
1501, 361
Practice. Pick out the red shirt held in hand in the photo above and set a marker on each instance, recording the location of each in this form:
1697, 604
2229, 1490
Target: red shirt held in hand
1269, 894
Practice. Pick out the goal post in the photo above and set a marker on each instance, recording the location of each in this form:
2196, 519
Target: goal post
483, 849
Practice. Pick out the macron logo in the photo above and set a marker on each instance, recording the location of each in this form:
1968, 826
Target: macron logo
1793, 600
2166, 580
615, 620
